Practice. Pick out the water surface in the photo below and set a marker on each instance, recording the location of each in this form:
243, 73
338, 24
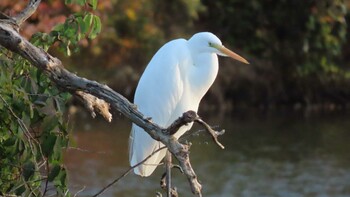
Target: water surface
279, 154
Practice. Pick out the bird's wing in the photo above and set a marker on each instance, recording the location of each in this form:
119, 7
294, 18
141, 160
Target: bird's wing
157, 95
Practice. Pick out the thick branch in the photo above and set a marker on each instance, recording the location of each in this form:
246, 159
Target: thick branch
27, 12
186, 118
53, 68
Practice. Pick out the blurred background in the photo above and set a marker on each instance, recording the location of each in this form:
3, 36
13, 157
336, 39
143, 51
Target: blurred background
286, 114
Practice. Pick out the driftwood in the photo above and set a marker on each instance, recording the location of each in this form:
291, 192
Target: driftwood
95, 96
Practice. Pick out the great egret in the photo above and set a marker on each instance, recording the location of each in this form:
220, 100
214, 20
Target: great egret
174, 81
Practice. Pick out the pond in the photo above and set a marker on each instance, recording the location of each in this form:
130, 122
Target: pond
287, 154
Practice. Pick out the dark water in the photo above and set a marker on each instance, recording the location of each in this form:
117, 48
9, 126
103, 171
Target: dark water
282, 154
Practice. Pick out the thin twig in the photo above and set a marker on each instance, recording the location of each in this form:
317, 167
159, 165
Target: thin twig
4, 16
86, 151
24, 184
188, 135
214, 134
82, 189
191, 116
27, 12
30, 189
127, 172
47, 180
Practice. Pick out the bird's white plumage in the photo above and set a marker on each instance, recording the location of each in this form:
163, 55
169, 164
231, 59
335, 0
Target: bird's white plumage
174, 81
157, 95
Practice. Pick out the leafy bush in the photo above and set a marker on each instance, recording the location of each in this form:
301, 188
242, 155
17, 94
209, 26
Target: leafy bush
33, 129
297, 46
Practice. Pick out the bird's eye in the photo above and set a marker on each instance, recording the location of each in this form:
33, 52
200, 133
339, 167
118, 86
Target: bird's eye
210, 44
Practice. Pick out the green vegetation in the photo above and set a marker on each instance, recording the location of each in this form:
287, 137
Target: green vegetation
33, 128
296, 48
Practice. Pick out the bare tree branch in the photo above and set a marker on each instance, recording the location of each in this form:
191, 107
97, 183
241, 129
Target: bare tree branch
81, 190
96, 95
186, 118
27, 12
4, 16
47, 180
66, 81
189, 117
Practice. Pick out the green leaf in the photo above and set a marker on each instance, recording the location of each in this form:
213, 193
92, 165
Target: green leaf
10, 142
20, 146
60, 179
40, 103
48, 142
28, 170
49, 107
88, 20
79, 2
54, 172
20, 190
26, 119
58, 27
83, 27
96, 28
49, 123
93, 4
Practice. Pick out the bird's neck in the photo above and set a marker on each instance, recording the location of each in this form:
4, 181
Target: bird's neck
204, 72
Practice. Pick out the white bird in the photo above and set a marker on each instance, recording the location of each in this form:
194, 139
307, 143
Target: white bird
175, 80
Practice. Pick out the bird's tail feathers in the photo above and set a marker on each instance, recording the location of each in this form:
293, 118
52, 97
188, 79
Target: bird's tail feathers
141, 146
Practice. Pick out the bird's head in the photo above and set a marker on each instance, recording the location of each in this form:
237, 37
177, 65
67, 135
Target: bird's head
208, 42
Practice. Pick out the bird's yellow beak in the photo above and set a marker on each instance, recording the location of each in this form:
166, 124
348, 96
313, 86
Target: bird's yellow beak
230, 53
